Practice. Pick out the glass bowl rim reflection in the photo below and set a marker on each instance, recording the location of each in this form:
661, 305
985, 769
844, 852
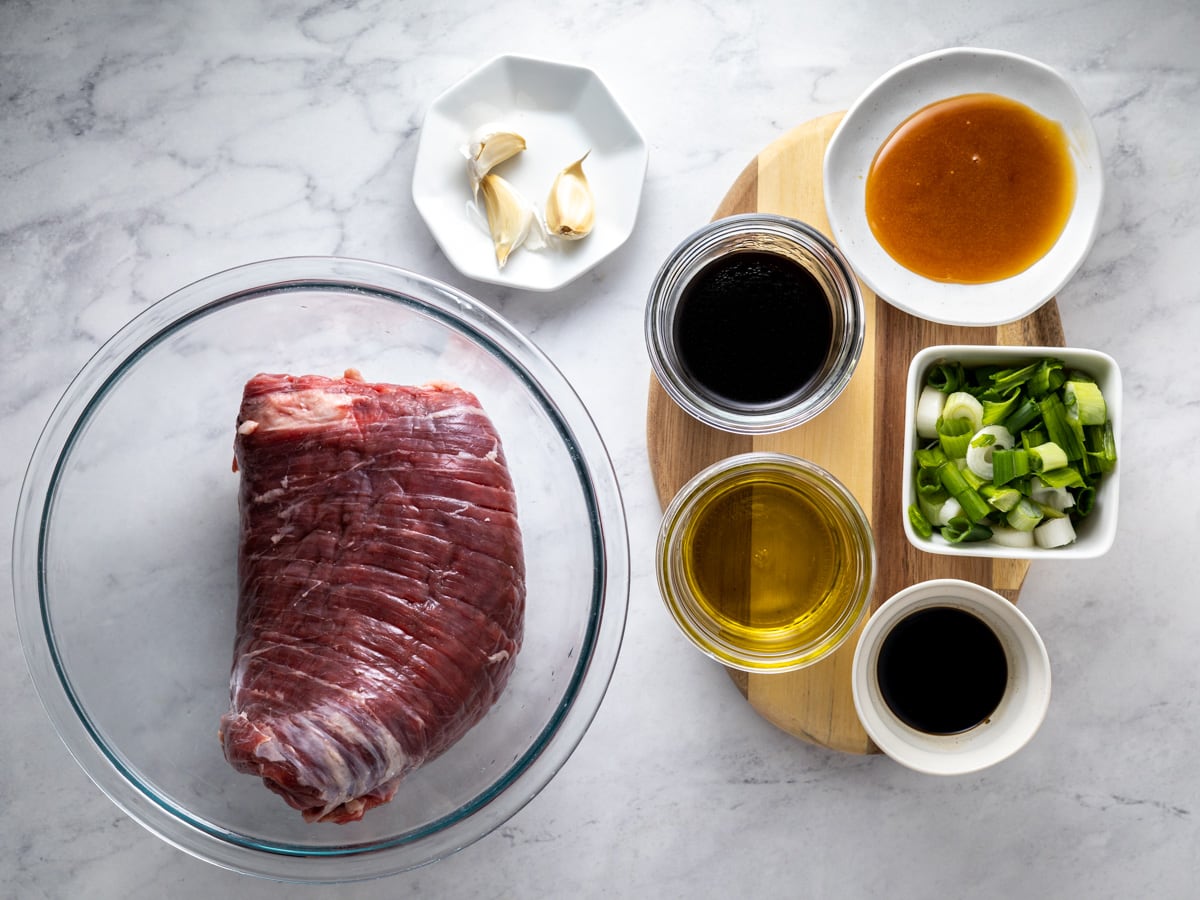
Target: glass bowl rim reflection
570, 718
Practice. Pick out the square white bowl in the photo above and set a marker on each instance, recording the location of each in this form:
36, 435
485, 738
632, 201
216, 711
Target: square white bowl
1095, 532
562, 111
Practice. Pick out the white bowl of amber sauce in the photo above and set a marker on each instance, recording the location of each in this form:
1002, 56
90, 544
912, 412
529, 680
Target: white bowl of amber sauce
965, 186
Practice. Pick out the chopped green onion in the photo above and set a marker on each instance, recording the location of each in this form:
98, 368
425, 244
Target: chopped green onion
961, 530
982, 448
1001, 498
975, 481
1025, 516
974, 506
1085, 500
1101, 446
1013, 378
1010, 537
1085, 402
1031, 437
1052, 512
1047, 456
950, 509
1024, 484
929, 410
931, 457
1066, 477
955, 436
961, 405
1054, 533
930, 508
1008, 465
939, 511
995, 411
981, 376
929, 484
1059, 429
947, 377
920, 524
1048, 378
1023, 416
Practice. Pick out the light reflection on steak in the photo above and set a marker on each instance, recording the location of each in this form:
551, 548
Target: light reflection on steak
381, 585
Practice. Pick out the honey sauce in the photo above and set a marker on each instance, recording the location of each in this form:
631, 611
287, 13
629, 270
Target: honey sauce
971, 189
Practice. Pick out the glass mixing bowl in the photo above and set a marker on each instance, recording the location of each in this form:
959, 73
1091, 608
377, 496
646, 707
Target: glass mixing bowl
125, 551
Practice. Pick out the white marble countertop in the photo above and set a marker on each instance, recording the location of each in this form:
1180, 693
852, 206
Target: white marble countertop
144, 145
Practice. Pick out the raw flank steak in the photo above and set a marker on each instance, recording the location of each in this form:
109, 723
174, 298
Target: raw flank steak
381, 585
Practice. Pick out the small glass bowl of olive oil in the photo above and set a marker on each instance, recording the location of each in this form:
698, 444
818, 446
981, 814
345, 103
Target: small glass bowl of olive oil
766, 562
755, 323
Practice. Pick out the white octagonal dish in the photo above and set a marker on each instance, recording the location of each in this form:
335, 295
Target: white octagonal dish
903, 91
562, 111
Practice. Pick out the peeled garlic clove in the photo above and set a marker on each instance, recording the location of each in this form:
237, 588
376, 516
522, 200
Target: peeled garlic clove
571, 208
509, 215
490, 146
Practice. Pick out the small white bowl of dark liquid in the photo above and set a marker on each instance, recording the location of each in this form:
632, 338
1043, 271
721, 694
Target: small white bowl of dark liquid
950, 678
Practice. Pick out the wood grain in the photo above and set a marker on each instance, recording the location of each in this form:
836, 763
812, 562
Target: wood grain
859, 439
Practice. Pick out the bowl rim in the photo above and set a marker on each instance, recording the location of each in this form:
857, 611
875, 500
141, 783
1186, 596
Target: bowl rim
424, 194
844, 171
1080, 357
113, 773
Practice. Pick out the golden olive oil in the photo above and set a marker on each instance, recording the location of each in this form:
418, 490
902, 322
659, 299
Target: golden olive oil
772, 562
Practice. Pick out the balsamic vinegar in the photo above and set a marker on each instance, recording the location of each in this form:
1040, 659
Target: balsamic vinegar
753, 329
942, 670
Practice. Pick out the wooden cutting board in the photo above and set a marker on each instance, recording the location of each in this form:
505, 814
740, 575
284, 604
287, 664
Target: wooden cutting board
859, 439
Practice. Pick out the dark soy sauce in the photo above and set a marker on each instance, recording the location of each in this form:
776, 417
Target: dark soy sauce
942, 670
752, 329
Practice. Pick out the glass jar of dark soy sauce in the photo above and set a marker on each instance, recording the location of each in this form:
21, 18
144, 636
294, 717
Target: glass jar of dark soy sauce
755, 323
